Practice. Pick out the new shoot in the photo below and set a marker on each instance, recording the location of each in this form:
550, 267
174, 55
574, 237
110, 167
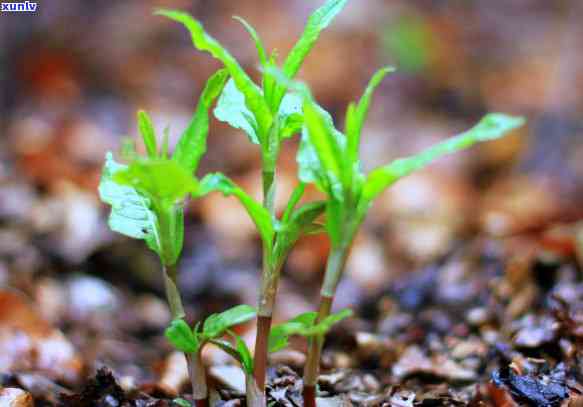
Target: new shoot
268, 114
191, 342
147, 195
330, 159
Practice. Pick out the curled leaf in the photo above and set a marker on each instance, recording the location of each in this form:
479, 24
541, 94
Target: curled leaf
131, 212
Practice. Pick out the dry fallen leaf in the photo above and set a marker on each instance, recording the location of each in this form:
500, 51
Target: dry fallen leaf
29, 343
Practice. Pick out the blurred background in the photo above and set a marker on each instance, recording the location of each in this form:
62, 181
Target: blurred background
75, 73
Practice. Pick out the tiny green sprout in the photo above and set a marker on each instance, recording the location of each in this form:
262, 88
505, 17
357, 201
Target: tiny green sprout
147, 195
268, 114
330, 160
305, 325
239, 351
181, 402
191, 342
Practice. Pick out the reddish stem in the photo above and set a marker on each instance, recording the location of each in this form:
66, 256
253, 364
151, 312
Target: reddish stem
201, 403
309, 395
260, 362
312, 367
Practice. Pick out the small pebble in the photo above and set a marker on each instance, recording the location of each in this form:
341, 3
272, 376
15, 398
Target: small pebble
12, 397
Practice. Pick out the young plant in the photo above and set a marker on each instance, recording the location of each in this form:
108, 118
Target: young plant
269, 115
303, 325
278, 237
330, 159
147, 195
191, 342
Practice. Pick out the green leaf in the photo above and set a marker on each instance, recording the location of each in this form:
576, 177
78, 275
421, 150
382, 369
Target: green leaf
131, 212
336, 220
145, 198
238, 315
192, 144
303, 325
260, 216
357, 115
268, 82
326, 146
280, 333
321, 152
181, 336
228, 348
216, 324
290, 105
181, 402
322, 328
317, 22
171, 231
292, 125
253, 96
239, 352
300, 222
295, 197
258, 43
491, 127
213, 326
148, 134
307, 214
231, 109
161, 180
244, 353
290, 115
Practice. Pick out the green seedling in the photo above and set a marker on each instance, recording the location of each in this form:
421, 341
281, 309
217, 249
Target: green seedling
147, 195
191, 342
268, 114
303, 325
330, 160
181, 402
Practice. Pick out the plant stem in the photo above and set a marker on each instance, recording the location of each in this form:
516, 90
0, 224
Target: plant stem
260, 359
196, 369
268, 176
312, 367
334, 268
269, 280
270, 273
197, 375
255, 397
172, 293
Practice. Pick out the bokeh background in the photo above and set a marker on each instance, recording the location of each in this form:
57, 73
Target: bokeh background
74, 74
